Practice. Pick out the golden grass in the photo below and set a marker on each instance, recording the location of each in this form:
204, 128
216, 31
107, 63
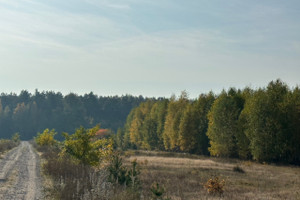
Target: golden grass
183, 178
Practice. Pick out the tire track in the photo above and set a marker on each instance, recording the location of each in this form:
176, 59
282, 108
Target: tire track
9, 161
25, 184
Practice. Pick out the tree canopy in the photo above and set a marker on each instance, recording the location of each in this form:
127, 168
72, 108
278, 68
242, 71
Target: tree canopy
260, 124
28, 113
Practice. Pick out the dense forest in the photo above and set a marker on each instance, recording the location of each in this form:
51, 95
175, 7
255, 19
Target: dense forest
261, 124
28, 113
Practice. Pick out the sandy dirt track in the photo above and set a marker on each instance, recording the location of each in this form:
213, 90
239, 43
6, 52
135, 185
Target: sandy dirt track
20, 174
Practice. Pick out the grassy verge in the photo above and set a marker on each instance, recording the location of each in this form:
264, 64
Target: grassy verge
66, 179
6, 145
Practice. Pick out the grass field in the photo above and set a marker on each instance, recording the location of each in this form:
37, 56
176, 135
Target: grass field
183, 176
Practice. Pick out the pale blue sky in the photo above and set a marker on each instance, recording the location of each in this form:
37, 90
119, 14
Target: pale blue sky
147, 47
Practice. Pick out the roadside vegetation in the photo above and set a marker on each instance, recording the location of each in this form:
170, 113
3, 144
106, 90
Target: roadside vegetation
84, 166
7, 144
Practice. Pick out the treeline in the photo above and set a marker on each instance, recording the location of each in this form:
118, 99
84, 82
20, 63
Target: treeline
28, 113
262, 124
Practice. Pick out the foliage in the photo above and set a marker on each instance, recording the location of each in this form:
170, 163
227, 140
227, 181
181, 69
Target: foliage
215, 186
6, 145
158, 191
16, 138
119, 174
28, 113
193, 125
223, 124
172, 122
86, 148
260, 124
46, 138
133, 175
271, 116
145, 125
71, 180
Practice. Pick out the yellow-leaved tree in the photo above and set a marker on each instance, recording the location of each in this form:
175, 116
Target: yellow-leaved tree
46, 138
86, 148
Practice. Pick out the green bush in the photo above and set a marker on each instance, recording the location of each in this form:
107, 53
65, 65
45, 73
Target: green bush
46, 138
86, 148
118, 174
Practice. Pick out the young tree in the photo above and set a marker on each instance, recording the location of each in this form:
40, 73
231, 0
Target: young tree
46, 138
85, 147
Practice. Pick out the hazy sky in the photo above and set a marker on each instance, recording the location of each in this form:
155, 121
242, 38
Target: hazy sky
147, 47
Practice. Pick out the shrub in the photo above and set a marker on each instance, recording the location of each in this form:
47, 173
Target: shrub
6, 145
86, 148
215, 186
16, 138
133, 175
75, 181
118, 174
157, 190
238, 169
46, 138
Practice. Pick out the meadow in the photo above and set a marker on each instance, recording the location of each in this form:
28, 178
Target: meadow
183, 176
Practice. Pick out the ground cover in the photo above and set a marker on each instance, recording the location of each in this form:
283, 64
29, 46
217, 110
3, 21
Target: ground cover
183, 176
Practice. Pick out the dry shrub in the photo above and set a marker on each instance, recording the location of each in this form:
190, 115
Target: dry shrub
75, 181
7, 145
215, 186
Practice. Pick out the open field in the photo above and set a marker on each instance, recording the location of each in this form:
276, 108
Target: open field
183, 177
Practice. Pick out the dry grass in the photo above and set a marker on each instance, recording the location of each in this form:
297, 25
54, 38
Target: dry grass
6, 145
183, 178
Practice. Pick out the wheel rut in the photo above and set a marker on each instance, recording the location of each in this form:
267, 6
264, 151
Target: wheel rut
19, 174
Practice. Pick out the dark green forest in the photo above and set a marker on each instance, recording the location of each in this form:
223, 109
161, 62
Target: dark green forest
27, 113
261, 124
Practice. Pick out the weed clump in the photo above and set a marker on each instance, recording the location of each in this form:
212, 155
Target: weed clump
215, 186
238, 169
6, 145
158, 192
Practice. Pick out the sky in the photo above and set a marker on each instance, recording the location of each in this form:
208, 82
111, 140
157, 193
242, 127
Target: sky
153, 48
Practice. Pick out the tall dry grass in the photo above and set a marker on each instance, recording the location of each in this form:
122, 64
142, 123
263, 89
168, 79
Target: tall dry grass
184, 178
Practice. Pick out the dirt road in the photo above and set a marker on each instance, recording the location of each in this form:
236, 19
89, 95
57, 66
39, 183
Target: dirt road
19, 174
